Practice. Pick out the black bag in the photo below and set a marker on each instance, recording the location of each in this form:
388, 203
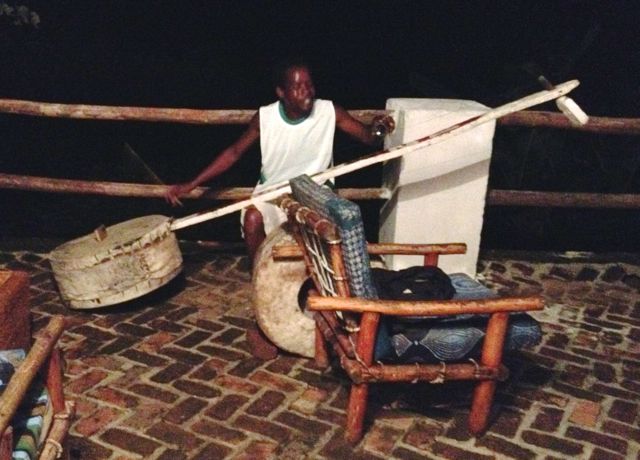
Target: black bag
413, 283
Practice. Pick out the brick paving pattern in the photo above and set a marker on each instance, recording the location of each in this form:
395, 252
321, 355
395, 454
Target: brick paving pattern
170, 376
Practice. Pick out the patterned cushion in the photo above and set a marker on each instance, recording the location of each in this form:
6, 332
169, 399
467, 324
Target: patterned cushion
31, 423
468, 288
346, 215
9, 361
455, 338
413, 339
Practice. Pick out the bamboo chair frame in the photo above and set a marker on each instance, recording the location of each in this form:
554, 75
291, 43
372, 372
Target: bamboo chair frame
43, 356
349, 325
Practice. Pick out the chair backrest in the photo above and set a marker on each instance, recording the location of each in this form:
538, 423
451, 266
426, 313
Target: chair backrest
347, 219
322, 248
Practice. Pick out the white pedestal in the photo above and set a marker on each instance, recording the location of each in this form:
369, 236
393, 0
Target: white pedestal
438, 191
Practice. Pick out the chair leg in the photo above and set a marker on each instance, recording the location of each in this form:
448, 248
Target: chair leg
321, 351
54, 380
481, 405
356, 410
491, 357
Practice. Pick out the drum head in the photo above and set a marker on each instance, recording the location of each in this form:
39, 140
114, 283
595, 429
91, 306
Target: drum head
119, 263
85, 250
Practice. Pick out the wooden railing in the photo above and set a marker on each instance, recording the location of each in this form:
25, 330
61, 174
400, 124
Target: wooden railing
600, 125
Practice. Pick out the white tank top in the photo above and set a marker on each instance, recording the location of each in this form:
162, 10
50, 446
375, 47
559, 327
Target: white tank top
290, 149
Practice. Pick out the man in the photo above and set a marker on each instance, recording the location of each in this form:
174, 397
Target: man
296, 137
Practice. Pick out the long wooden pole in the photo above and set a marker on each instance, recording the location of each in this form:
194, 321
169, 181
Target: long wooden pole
277, 190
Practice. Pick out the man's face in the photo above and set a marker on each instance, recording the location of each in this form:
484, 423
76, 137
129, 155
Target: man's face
298, 93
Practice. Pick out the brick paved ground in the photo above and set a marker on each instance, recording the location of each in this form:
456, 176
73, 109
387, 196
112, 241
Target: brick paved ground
170, 377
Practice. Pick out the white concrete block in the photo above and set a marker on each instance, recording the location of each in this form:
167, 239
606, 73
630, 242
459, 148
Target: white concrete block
438, 191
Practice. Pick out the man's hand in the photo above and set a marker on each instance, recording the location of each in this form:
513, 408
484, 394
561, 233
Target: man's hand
174, 193
382, 125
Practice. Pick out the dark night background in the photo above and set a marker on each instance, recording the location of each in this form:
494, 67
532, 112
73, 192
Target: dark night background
217, 54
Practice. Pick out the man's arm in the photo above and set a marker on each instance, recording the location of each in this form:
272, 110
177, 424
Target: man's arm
221, 163
360, 131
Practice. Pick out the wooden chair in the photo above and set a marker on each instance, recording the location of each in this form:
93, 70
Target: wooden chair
350, 319
43, 360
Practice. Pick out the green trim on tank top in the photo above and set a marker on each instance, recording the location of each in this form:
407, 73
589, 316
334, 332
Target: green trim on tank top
286, 119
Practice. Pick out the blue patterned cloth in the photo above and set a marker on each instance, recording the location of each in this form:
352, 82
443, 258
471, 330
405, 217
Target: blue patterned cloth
451, 338
346, 215
9, 361
456, 337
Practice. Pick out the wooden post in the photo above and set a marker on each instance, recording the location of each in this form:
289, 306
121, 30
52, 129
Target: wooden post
431, 260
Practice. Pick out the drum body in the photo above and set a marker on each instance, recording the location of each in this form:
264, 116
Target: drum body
131, 259
276, 286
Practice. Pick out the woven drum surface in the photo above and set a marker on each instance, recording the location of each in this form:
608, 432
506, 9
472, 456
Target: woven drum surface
122, 237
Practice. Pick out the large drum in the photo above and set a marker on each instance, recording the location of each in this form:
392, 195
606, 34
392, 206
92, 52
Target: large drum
118, 263
276, 288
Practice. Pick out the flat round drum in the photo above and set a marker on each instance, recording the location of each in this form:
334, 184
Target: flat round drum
131, 259
276, 285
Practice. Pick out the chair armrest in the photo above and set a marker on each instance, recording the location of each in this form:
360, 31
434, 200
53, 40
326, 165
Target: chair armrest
24, 375
292, 251
416, 249
425, 307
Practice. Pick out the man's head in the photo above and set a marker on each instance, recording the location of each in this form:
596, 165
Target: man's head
295, 88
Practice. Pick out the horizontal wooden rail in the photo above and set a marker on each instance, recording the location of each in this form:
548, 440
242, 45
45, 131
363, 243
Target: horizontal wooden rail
121, 189
528, 118
563, 199
423, 372
155, 114
424, 307
293, 251
494, 197
600, 125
